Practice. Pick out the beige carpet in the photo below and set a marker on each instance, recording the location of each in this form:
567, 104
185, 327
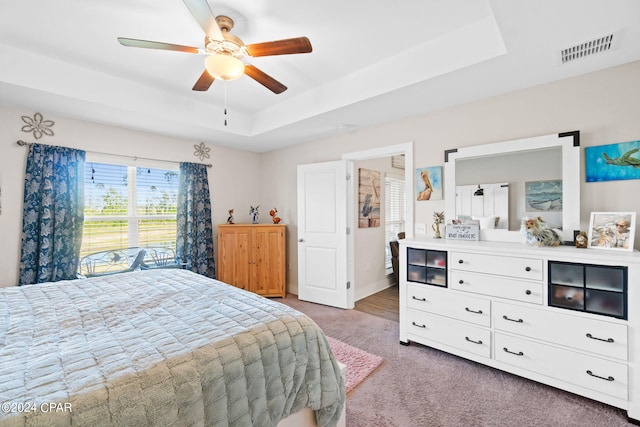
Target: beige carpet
419, 386
360, 364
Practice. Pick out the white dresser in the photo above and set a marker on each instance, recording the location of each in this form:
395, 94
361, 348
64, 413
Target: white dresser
566, 317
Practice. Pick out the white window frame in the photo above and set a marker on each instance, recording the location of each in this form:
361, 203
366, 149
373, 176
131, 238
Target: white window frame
132, 218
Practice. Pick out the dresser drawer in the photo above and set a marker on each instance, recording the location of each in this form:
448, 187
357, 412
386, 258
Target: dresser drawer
456, 334
497, 286
597, 336
523, 268
450, 304
597, 374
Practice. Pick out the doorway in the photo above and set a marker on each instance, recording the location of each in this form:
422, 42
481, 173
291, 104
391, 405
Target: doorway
356, 273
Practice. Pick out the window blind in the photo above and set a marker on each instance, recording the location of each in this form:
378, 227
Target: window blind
395, 203
127, 206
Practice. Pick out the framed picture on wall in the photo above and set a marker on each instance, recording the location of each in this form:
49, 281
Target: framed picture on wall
429, 183
612, 230
368, 198
543, 196
613, 162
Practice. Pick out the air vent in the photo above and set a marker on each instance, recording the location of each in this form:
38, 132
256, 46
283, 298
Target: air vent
585, 49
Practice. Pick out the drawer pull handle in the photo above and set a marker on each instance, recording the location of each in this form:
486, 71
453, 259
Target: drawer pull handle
419, 326
527, 269
528, 292
512, 320
609, 378
513, 352
418, 299
473, 311
461, 281
460, 261
475, 342
599, 339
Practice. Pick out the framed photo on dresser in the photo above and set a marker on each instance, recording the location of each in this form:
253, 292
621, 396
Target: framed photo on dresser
612, 230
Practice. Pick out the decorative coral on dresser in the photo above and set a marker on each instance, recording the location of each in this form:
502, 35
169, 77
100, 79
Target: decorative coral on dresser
438, 218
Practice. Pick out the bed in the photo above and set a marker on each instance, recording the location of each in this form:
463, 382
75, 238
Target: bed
160, 347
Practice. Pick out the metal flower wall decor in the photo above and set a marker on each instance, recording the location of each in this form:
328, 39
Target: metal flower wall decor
202, 151
38, 125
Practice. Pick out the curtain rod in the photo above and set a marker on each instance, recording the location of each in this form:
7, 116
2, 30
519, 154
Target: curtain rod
24, 144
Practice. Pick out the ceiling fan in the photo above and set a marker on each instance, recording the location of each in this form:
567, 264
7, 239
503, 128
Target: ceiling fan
225, 51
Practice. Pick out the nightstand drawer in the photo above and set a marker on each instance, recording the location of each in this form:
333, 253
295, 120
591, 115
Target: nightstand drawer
523, 268
605, 338
594, 373
449, 332
450, 304
497, 286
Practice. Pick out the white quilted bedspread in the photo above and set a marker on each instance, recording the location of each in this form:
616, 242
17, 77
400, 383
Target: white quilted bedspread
159, 348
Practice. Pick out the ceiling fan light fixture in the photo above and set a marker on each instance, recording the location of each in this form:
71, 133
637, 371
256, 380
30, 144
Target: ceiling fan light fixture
224, 67
225, 51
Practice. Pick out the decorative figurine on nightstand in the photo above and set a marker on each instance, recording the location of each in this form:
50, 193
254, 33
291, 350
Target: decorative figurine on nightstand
230, 219
274, 212
581, 240
438, 218
254, 214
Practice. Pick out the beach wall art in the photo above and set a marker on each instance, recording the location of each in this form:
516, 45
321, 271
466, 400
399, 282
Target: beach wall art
543, 196
368, 198
429, 183
613, 162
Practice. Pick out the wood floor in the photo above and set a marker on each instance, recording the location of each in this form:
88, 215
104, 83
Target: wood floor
383, 304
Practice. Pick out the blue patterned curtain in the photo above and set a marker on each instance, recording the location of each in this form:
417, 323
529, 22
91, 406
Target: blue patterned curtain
53, 214
194, 244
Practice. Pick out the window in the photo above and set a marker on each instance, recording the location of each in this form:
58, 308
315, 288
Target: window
128, 206
395, 202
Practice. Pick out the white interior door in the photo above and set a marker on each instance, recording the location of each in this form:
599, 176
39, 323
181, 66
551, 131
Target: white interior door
322, 234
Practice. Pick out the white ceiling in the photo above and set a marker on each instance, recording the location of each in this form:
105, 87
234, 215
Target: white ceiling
371, 62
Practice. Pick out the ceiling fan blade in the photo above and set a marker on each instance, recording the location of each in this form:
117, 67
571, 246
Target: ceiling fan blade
264, 79
157, 45
204, 16
280, 47
204, 82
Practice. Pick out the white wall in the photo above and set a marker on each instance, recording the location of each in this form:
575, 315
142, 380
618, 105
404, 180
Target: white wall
234, 179
602, 105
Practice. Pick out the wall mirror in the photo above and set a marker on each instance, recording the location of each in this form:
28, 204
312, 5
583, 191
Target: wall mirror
542, 175
489, 201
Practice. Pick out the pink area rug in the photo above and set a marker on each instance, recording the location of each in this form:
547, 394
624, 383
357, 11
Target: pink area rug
359, 363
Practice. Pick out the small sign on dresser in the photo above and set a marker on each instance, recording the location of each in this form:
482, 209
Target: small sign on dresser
464, 230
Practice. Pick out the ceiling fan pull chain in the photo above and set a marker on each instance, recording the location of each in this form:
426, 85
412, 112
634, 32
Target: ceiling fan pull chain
225, 103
